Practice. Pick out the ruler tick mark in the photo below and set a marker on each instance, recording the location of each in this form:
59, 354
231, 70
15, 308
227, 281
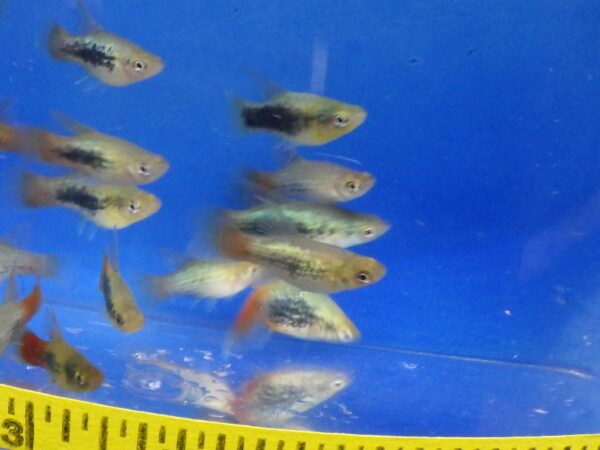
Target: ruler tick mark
201, 440
84, 421
321, 446
142, 436
48, 414
29, 425
11, 406
301, 445
341, 447
66, 425
240, 445
181, 437
221, 438
103, 433
260, 444
123, 431
280, 445
162, 434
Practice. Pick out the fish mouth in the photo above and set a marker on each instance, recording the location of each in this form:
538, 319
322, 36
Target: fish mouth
359, 117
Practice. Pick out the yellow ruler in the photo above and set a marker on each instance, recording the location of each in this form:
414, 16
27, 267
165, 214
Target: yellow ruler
31, 420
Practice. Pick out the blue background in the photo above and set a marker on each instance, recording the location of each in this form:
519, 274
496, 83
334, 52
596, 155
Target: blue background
483, 135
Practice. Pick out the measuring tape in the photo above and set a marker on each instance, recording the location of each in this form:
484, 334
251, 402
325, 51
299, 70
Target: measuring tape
32, 420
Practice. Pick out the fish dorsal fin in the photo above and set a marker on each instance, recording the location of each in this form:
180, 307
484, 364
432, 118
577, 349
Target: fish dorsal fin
71, 124
318, 77
11, 290
89, 23
55, 333
291, 156
269, 88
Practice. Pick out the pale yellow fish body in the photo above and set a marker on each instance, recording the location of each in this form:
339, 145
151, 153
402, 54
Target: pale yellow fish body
120, 303
205, 279
23, 262
108, 206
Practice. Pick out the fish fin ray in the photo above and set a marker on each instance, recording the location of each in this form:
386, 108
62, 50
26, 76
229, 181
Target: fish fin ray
32, 349
70, 124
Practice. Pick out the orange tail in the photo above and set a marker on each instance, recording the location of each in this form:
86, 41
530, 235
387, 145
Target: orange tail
31, 304
250, 312
262, 179
32, 349
35, 192
233, 243
8, 138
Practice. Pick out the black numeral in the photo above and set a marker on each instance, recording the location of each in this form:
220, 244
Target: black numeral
14, 433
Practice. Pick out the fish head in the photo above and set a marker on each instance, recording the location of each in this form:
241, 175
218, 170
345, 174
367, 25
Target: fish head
137, 205
141, 65
336, 120
129, 320
351, 185
147, 170
370, 228
360, 271
81, 375
347, 331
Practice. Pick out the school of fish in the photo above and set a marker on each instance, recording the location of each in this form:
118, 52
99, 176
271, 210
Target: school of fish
290, 249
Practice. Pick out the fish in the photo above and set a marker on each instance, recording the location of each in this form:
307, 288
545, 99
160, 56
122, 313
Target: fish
120, 303
298, 117
22, 262
108, 206
306, 264
316, 181
68, 368
15, 315
285, 309
97, 155
323, 223
106, 56
205, 279
8, 138
276, 397
201, 389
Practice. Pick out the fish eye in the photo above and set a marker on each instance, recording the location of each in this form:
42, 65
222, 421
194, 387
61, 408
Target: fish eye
144, 170
119, 319
340, 120
338, 383
134, 208
79, 378
363, 277
140, 66
368, 231
352, 186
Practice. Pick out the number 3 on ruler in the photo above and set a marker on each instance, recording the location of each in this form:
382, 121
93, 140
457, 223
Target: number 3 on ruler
14, 433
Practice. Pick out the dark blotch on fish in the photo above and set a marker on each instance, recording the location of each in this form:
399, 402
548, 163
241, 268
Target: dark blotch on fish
91, 53
274, 117
83, 156
81, 197
292, 312
279, 395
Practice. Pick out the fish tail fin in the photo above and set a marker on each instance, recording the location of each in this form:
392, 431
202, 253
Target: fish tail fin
250, 313
158, 287
32, 349
56, 39
262, 180
233, 243
8, 138
35, 142
34, 191
32, 303
47, 266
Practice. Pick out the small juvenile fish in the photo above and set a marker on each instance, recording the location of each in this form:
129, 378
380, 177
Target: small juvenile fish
205, 279
108, 206
323, 223
22, 262
106, 158
109, 58
308, 265
14, 315
317, 181
120, 304
68, 368
277, 397
285, 309
302, 118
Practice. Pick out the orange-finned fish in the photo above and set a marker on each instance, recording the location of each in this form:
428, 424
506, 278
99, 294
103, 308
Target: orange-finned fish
110, 58
317, 181
277, 397
22, 262
285, 309
98, 155
68, 368
205, 279
108, 206
308, 265
120, 304
15, 315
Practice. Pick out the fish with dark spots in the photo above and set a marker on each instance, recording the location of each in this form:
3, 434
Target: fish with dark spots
285, 309
83, 156
108, 206
90, 53
275, 118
